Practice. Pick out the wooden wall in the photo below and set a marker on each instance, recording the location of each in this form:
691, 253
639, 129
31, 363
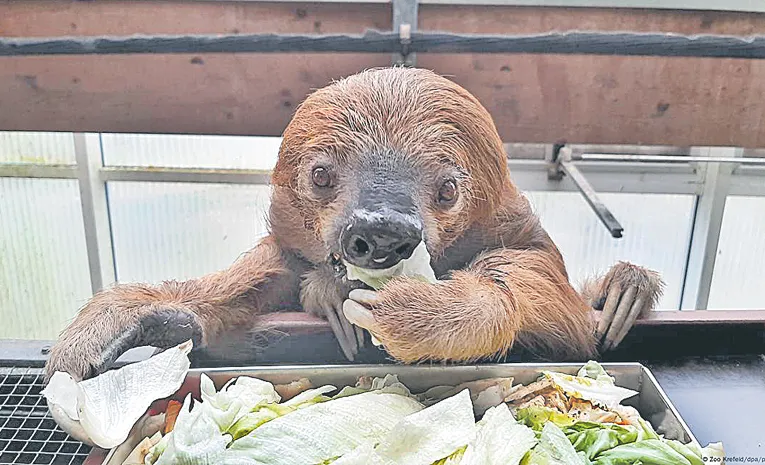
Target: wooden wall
534, 98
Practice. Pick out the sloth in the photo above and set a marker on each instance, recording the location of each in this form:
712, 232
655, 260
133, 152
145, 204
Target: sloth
370, 168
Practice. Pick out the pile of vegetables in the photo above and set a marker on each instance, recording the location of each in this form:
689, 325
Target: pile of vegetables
559, 420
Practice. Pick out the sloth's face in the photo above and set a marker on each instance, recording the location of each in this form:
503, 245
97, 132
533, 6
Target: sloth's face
375, 164
374, 207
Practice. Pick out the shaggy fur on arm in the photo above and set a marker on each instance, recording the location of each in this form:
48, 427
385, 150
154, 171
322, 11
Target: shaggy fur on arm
133, 315
505, 297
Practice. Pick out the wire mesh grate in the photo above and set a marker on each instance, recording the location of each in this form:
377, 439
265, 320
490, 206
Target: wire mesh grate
28, 434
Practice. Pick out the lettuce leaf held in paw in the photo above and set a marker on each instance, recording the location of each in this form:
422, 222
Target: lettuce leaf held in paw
417, 266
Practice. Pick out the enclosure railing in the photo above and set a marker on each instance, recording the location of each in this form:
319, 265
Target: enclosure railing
710, 182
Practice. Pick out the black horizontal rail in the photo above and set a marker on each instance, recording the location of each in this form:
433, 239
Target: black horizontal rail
577, 43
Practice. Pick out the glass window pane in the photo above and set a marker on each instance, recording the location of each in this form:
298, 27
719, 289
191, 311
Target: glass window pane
37, 147
179, 231
187, 151
44, 275
656, 233
737, 282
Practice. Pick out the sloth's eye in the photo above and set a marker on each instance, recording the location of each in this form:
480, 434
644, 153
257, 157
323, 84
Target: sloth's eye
447, 193
321, 177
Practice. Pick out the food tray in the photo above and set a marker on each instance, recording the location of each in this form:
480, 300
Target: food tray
652, 403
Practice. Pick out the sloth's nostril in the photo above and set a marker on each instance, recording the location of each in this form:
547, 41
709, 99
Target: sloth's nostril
360, 246
404, 249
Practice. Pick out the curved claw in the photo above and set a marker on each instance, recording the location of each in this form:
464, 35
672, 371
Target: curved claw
343, 333
624, 294
612, 301
619, 315
635, 304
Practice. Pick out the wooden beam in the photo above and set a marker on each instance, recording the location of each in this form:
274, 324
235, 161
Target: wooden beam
545, 99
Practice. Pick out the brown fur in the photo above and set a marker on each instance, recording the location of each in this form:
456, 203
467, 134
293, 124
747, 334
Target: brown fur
504, 281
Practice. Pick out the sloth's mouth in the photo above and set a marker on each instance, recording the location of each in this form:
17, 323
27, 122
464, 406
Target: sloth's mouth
336, 261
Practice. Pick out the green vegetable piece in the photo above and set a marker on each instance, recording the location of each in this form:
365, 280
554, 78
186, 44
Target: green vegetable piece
535, 417
647, 452
594, 438
553, 449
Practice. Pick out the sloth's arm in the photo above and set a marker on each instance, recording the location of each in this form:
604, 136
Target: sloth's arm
135, 315
504, 297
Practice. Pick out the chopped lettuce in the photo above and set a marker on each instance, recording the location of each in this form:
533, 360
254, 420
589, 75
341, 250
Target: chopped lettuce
500, 440
237, 397
553, 449
594, 438
648, 452
323, 430
599, 391
422, 438
536, 417
196, 439
594, 370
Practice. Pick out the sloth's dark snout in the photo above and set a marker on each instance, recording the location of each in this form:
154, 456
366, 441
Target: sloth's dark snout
380, 239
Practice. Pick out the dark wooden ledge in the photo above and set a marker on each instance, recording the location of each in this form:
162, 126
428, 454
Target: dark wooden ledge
295, 323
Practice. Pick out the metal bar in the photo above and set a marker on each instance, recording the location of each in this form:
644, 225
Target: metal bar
705, 232
592, 198
405, 23
563, 161
626, 177
95, 211
528, 175
28, 170
192, 175
576, 43
748, 180
666, 159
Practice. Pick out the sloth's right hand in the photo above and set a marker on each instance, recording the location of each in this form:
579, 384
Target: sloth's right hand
115, 321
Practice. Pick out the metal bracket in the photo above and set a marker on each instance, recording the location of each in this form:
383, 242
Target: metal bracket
405, 22
561, 166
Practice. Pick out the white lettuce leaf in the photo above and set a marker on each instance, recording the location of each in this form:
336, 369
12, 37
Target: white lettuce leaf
322, 431
237, 398
309, 396
106, 407
500, 440
422, 438
195, 440
416, 266
601, 391
553, 449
